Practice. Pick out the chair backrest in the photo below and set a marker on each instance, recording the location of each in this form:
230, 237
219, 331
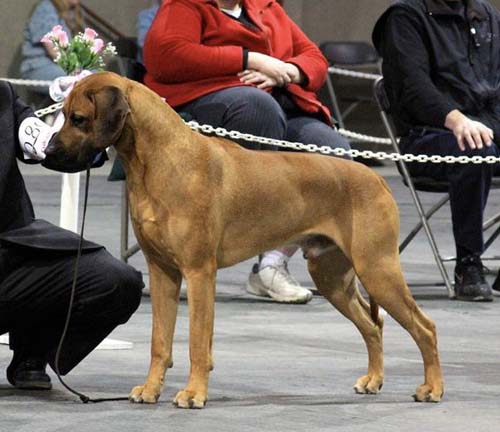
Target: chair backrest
349, 53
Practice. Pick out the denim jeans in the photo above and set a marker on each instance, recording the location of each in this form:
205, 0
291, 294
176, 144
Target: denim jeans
251, 110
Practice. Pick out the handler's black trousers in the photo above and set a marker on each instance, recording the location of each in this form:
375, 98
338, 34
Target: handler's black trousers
34, 297
469, 184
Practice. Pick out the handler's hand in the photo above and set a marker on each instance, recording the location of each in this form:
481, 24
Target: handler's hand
272, 67
468, 132
256, 78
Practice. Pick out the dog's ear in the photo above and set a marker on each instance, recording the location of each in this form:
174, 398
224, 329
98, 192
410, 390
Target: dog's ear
110, 112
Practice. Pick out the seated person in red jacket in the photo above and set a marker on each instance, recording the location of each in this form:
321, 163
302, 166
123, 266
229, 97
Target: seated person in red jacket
243, 65
37, 262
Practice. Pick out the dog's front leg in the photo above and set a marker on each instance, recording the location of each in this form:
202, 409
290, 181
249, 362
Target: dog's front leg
201, 297
164, 289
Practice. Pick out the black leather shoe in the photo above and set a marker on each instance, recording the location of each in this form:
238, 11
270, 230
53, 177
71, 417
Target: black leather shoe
496, 285
28, 374
470, 283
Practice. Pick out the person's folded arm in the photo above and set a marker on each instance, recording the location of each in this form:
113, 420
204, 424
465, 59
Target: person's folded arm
173, 51
309, 59
405, 53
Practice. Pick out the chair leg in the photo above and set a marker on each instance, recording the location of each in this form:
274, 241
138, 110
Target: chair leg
124, 224
125, 251
333, 98
419, 225
420, 210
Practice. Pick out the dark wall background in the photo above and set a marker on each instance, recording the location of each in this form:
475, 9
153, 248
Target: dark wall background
321, 19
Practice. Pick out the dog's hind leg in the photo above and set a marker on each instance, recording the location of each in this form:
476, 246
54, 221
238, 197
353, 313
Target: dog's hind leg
384, 282
335, 279
164, 289
201, 298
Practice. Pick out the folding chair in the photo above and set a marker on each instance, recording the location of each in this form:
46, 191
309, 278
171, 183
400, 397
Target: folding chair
347, 54
426, 184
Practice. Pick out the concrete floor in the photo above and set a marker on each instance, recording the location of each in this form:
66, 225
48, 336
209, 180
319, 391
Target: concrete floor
277, 367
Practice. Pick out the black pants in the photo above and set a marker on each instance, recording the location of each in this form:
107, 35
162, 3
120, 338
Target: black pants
34, 298
469, 184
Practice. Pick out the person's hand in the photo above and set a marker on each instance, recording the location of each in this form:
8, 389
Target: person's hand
295, 74
256, 78
34, 136
468, 132
272, 67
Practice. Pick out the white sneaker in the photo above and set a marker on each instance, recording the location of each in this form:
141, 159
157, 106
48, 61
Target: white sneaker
277, 283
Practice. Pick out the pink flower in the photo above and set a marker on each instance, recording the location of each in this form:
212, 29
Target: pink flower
89, 34
63, 38
46, 39
98, 46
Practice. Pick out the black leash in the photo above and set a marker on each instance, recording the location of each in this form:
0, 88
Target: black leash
84, 398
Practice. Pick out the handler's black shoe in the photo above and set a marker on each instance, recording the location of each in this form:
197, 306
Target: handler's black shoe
470, 283
496, 285
28, 374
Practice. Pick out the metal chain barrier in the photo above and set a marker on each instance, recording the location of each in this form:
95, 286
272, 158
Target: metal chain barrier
365, 154
353, 74
49, 110
27, 83
312, 148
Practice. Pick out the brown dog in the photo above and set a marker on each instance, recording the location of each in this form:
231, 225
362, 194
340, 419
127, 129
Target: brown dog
200, 203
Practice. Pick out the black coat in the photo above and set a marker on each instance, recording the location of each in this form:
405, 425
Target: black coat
18, 225
437, 59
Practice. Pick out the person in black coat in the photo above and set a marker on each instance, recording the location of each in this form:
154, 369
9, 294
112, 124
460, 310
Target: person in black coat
36, 269
441, 67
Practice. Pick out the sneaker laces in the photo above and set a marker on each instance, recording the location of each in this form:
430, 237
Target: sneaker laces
282, 270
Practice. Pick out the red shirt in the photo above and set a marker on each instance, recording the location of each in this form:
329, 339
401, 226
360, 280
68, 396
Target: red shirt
193, 49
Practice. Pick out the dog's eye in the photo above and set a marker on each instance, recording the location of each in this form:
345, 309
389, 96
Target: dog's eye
77, 120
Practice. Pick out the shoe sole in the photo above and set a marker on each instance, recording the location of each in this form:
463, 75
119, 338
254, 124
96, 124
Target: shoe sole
479, 299
496, 293
261, 293
33, 385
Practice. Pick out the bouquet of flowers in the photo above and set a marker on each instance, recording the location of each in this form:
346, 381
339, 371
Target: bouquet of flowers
84, 52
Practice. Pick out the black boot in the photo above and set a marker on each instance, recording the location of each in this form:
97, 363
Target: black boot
28, 374
496, 285
470, 283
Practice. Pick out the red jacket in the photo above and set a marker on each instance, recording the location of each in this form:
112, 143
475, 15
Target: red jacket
193, 49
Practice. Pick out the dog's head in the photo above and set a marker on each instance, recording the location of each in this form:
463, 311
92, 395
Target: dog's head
95, 115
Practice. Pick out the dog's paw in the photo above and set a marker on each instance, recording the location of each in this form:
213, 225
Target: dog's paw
425, 393
190, 399
369, 384
141, 394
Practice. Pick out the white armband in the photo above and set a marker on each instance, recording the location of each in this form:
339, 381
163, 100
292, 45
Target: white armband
34, 136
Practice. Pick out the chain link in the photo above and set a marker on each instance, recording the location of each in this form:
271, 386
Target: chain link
366, 154
27, 83
49, 110
353, 74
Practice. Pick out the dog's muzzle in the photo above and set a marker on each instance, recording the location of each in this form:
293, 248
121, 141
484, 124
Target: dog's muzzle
57, 160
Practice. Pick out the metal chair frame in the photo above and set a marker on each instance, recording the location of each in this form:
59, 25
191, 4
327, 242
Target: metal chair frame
439, 187
347, 54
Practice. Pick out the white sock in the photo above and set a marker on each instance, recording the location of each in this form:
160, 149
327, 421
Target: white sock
273, 258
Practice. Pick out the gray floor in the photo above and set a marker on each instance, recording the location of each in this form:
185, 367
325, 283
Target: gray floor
278, 367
